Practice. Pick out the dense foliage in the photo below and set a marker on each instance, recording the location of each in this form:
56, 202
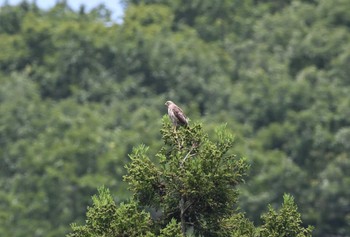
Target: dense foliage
79, 91
191, 192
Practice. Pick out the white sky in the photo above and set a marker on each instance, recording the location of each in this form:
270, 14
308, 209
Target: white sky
113, 5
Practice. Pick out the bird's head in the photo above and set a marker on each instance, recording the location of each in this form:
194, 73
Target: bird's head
169, 103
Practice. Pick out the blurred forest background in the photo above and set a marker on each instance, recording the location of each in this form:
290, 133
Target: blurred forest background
79, 91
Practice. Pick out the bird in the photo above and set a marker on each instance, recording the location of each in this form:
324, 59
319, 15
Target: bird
176, 115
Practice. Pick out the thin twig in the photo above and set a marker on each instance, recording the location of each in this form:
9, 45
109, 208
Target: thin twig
187, 155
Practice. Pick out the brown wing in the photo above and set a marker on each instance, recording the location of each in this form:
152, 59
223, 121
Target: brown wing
180, 115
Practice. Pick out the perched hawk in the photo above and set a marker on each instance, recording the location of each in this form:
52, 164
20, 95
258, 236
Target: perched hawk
176, 115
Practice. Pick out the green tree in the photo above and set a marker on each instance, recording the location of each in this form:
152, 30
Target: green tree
284, 223
191, 191
195, 182
104, 218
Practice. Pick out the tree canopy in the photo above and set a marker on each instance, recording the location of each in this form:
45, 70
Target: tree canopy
79, 92
191, 192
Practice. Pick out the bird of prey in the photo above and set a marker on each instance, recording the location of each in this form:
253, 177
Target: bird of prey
176, 115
